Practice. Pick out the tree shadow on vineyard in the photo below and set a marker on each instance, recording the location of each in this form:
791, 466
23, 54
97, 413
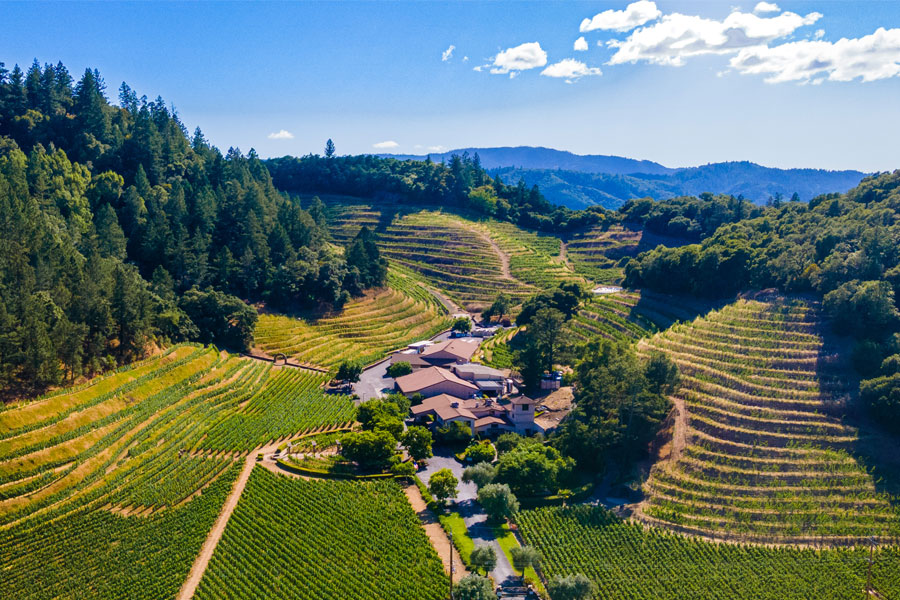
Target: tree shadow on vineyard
875, 449
659, 310
647, 241
386, 217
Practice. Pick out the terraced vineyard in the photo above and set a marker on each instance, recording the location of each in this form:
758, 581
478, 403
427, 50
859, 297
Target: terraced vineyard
596, 253
290, 401
470, 261
495, 351
766, 455
291, 538
631, 562
628, 316
364, 330
142, 440
631, 315
533, 258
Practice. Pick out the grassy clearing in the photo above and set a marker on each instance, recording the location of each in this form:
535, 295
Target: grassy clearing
454, 525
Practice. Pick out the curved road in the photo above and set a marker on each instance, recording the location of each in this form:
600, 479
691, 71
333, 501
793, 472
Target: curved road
473, 515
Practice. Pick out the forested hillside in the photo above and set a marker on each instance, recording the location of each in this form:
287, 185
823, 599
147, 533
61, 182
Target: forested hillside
530, 157
578, 189
462, 183
118, 228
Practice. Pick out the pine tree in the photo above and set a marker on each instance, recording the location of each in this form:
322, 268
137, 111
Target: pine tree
198, 142
110, 237
128, 98
34, 86
38, 354
89, 106
17, 100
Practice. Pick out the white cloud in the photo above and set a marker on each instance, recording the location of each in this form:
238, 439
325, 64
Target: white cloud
430, 149
869, 58
820, 33
386, 145
465, 59
634, 15
766, 7
281, 135
570, 69
679, 36
448, 53
518, 58
581, 44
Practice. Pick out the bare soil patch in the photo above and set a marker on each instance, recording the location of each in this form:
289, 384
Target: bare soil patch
435, 532
559, 405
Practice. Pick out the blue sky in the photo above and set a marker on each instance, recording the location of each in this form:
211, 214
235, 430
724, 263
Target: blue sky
771, 84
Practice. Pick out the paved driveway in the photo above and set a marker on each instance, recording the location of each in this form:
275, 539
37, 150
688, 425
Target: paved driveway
372, 381
472, 513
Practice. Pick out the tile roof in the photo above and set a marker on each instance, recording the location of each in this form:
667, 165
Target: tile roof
424, 378
489, 420
459, 348
448, 412
521, 400
413, 358
433, 403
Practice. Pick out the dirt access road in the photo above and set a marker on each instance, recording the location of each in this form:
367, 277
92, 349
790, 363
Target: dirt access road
436, 534
501, 255
215, 534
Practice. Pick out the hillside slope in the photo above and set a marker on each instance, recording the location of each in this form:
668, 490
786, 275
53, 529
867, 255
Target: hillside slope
626, 560
469, 260
578, 181
760, 449
364, 330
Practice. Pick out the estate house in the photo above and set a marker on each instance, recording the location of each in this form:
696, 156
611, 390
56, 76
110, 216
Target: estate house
483, 398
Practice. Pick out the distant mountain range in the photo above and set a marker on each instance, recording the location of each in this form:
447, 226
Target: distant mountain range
578, 181
528, 157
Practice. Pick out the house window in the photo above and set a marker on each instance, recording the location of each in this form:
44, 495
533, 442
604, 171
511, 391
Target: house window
524, 406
